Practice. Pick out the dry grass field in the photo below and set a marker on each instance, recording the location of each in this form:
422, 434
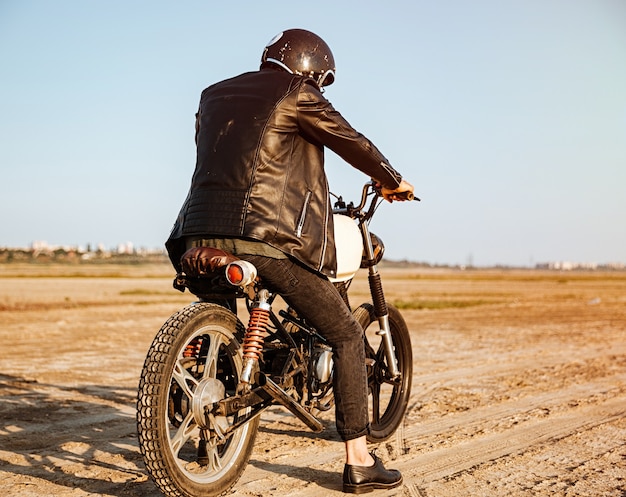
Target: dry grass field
519, 386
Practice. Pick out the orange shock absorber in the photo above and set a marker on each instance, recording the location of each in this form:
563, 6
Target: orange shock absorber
255, 334
193, 348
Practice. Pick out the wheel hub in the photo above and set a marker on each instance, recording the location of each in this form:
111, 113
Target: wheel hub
208, 391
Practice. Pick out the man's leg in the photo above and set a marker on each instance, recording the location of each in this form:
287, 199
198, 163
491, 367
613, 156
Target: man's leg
316, 299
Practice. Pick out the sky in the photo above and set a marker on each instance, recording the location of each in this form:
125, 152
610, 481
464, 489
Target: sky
508, 117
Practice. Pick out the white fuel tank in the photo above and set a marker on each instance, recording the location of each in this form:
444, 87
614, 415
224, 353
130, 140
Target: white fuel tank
349, 247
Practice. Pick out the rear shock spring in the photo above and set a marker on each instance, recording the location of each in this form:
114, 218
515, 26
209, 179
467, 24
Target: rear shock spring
193, 348
255, 334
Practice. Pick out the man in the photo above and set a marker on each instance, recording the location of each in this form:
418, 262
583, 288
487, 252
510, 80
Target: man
259, 191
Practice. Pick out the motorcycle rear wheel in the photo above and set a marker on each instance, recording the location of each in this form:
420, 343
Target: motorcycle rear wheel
194, 360
388, 399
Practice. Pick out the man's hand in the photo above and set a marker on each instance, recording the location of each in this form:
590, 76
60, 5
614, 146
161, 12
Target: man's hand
402, 193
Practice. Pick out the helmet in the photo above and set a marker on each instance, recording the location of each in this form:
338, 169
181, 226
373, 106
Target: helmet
298, 51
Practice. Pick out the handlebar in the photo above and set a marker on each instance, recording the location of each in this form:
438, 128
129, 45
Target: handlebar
369, 189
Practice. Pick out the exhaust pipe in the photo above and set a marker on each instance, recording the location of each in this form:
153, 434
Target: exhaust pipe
280, 396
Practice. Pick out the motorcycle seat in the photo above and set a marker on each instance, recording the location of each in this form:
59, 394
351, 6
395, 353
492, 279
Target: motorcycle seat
203, 273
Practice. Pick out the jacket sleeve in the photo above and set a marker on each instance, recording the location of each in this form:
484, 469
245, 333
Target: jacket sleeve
320, 122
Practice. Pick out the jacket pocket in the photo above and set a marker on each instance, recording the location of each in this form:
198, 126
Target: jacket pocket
302, 218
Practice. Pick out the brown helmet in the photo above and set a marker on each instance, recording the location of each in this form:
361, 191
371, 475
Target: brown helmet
301, 52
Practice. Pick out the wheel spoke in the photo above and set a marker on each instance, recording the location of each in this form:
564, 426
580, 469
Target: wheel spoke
375, 401
183, 433
215, 462
210, 367
184, 379
381, 364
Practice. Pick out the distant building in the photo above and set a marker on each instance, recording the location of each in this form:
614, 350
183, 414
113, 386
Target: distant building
126, 248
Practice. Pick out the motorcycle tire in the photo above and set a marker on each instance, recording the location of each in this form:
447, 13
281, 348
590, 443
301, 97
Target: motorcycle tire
388, 398
194, 360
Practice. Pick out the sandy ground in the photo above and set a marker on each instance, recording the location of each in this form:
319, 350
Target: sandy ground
519, 386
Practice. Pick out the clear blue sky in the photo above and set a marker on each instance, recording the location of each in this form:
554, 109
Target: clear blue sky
509, 117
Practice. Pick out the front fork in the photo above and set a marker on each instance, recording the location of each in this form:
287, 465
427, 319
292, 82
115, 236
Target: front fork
380, 305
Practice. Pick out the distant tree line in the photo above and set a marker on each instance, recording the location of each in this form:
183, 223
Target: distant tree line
76, 256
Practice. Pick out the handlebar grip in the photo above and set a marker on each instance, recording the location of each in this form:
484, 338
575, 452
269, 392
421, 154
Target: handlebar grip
405, 196
399, 195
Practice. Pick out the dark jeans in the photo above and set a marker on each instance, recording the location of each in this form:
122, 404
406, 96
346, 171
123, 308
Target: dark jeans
317, 300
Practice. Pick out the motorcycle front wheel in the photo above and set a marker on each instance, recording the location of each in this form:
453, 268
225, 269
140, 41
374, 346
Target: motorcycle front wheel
194, 361
388, 397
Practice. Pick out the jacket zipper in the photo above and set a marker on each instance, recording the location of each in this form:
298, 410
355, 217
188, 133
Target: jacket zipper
325, 235
307, 199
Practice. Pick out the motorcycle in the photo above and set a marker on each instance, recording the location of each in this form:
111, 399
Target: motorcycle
207, 377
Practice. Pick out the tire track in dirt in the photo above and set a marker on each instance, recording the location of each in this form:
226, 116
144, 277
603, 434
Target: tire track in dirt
476, 447
515, 361
445, 463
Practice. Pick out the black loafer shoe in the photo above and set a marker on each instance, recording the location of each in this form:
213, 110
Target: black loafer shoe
362, 479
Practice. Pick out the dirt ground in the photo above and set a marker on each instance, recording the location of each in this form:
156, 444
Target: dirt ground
519, 386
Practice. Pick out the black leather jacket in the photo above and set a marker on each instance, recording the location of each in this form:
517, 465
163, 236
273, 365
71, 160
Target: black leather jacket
260, 167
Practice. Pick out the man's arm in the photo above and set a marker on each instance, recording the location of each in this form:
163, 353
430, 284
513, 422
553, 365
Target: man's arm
319, 120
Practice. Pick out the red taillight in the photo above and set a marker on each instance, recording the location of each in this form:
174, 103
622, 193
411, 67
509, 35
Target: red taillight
234, 273
240, 273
